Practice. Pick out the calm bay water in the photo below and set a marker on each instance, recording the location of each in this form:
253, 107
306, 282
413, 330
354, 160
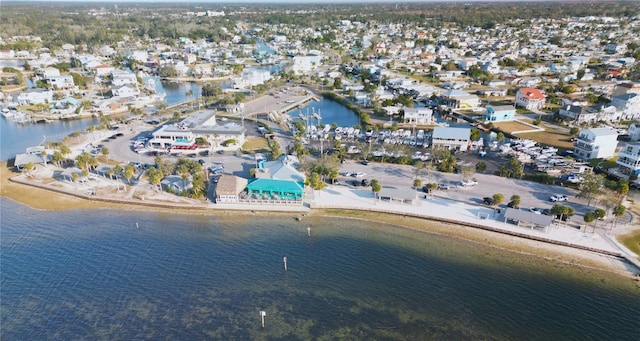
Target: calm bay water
93, 274
16, 137
329, 111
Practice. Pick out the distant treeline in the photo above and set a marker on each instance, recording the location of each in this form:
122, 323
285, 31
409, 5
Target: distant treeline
100, 23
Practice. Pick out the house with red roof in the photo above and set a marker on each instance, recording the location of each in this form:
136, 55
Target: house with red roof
530, 98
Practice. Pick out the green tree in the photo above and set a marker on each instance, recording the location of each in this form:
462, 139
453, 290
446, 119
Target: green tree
417, 183
28, 167
375, 188
500, 136
57, 158
515, 201
333, 175
481, 166
599, 214
315, 182
591, 186
105, 153
573, 131
155, 176
475, 134
588, 218
618, 211
129, 170
498, 198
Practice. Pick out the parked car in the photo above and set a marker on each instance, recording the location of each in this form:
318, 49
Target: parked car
488, 200
558, 197
535, 210
359, 174
365, 162
469, 182
512, 205
443, 186
364, 182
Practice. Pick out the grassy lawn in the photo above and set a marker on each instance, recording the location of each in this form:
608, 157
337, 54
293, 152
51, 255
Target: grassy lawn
511, 126
631, 241
255, 144
610, 163
551, 137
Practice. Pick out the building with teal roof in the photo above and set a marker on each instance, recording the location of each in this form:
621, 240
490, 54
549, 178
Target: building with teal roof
274, 188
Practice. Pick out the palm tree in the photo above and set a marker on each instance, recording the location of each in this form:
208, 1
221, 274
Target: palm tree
618, 211
43, 155
105, 153
375, 188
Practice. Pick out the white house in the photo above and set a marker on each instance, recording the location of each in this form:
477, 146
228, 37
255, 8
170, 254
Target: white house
628, 104
578, 114
304, 64
103, 70
122, 78
35, 96
418, 115
530, 98
451, 138
629, 159
62, 82
126, 90
596, 143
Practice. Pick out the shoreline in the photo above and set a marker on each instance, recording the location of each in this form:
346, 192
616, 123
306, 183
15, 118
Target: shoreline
46, 198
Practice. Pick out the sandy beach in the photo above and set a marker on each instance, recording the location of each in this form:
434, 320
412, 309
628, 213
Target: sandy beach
44, 199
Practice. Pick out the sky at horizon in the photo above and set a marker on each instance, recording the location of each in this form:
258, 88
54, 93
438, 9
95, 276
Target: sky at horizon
214, 2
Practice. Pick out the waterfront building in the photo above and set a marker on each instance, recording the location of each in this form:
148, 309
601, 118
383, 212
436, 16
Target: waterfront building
182, 136
35, 96
596, 143
578, 114
418, 116
456, 139
229, 188
501, 113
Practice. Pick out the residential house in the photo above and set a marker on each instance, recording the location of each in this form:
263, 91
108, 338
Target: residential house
530, 98
175, 184
61, 82
418, 116
49, 72
123, 78
596, 143
625, 88
35, 96
451, 138
103, 70
501, 113
629, 159
578, 114
459, 99
229, 188
628, 104
126, 90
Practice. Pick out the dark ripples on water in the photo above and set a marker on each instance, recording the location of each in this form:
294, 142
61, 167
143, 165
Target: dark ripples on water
92, 274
